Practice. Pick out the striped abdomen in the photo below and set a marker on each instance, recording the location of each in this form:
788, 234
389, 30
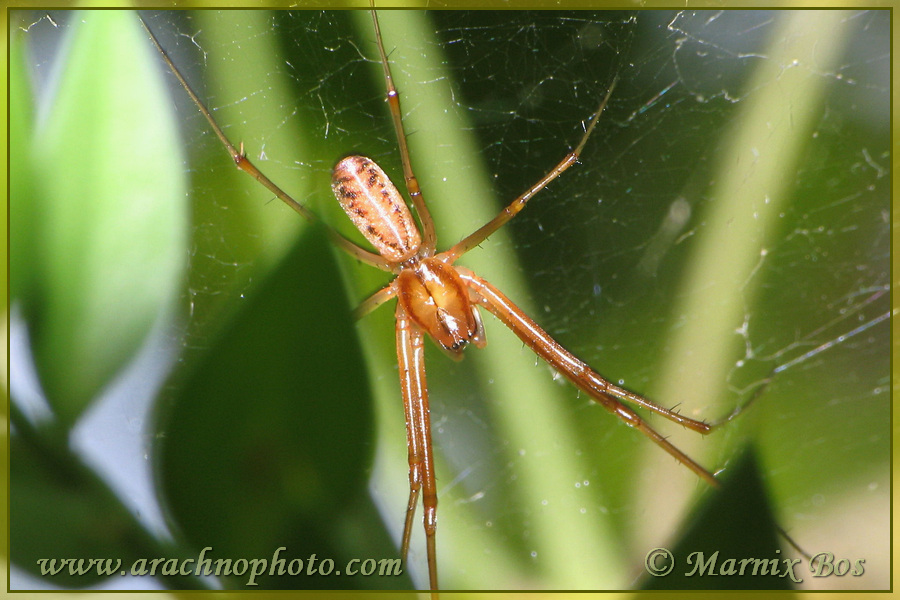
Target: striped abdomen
375, 207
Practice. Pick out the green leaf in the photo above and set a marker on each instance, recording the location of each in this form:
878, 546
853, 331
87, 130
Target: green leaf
56, 498
110, 212
735, 523
63, 518
266, 442
21, 179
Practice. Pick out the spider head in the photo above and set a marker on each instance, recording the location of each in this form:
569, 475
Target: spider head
436, 299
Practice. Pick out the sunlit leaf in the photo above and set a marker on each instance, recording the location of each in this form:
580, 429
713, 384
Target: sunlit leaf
110, 211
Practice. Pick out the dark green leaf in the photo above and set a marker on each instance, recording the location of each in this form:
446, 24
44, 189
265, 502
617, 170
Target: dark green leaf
267, 441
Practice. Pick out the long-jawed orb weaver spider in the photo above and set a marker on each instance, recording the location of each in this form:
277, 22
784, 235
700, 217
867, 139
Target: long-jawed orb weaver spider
438, 298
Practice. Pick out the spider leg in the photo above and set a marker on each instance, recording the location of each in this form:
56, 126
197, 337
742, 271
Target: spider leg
375, 300
740, 408
413, 387
580, 374
429, 238
480, 234
243, 163
407, 385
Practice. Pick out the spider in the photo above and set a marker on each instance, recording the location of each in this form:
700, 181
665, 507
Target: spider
439, 299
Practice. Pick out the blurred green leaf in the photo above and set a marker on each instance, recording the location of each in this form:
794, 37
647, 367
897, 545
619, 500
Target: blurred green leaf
21, 179
55, 497
736, 523
268, 439
65, 522
109, 211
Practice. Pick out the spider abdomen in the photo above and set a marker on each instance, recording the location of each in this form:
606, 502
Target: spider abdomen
376, 207
437, 300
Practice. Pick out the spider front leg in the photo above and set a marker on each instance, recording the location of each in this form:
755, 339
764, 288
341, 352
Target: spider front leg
412, 184
413, 388
241, 161
516, 206
580, 374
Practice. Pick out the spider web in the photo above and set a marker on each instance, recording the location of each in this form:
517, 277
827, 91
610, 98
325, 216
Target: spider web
600, 258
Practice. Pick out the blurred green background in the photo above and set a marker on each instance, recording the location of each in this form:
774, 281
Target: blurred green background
725, 237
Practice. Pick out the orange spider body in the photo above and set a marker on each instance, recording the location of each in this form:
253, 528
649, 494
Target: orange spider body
376, 208
428, 289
